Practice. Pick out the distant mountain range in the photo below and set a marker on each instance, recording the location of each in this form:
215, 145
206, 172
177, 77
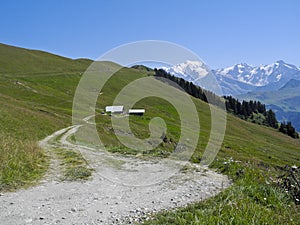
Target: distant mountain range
277, 84
256, 78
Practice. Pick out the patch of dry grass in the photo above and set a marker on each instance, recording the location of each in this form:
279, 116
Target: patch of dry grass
21, 162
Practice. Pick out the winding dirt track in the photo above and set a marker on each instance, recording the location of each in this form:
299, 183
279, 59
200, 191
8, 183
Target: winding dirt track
122, 189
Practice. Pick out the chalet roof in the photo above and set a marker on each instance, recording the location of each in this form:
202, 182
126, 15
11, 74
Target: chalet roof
136, 111
115, 108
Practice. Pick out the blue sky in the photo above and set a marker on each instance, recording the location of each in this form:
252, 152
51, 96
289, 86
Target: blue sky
221, 32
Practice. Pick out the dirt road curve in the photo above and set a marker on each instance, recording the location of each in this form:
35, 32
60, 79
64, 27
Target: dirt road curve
122, 189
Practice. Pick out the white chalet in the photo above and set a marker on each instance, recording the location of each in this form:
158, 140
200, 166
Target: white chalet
114, 109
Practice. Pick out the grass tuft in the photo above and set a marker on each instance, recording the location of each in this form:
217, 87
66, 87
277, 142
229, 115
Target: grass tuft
75, 166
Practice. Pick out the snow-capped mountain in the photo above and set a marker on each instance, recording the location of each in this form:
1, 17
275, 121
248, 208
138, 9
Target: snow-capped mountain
189, 70
260, 75
240, 78
198, 73
258, 78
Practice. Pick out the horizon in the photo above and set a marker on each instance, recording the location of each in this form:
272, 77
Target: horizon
151, 64
220, 33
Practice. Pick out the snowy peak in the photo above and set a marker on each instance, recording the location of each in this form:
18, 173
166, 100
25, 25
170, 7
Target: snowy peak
260, 75
235, 72
197, 73
189, 70
282, 64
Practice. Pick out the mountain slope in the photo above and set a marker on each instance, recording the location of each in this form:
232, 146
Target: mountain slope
243, 138
291, 84
36, 94
189, 70
233, 87
285, 101
15, 60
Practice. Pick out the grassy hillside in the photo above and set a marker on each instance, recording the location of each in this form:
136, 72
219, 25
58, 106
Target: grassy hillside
243, 140
36, 100
36, 93
20, 61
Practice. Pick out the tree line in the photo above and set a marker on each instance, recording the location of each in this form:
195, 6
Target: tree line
288, 129
191, 88
247, 110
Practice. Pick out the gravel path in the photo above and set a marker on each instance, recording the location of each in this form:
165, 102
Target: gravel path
122, 189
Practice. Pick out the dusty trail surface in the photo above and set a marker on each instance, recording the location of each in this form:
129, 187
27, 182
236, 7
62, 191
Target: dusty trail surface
121, 190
